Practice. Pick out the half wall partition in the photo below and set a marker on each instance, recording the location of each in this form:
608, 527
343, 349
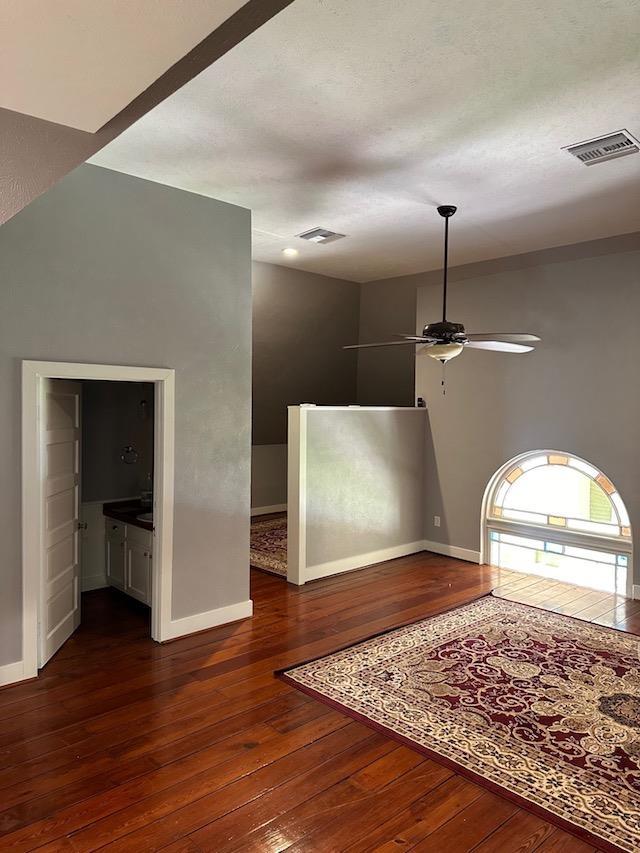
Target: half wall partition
355, 487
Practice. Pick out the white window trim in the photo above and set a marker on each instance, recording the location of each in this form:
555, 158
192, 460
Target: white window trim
592, 541
562, 535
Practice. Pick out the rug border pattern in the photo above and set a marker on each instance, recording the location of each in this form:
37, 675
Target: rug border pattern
501, 789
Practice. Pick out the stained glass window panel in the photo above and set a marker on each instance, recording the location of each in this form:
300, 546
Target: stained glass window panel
583, 466
534, 462
593, 527
523, 515
622, 510
561, 494
557, 490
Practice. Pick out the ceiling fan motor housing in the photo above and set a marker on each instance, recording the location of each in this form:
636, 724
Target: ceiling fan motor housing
446, 332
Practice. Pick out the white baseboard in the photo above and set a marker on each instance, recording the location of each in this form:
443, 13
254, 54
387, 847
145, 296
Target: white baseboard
208, 619
265, 510
11, 673
93, 582
359, 561
452, 551
635, 591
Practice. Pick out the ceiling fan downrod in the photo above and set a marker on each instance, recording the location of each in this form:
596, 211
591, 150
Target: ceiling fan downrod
446, 211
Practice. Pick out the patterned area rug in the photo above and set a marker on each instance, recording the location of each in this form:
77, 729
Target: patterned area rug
269, 546
539, 707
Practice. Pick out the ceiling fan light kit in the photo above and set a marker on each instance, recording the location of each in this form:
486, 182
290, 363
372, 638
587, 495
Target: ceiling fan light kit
445, 340
442, 352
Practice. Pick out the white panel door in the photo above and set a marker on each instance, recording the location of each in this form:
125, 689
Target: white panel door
60, 579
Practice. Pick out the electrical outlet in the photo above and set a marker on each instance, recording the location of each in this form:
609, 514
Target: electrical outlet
436, 521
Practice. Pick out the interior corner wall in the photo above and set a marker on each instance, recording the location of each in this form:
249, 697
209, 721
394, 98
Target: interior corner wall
112, 269
577, 392
386, 376
301, 321
38, 153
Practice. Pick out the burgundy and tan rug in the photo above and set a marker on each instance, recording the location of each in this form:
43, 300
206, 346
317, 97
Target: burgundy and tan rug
539, 707
269, 546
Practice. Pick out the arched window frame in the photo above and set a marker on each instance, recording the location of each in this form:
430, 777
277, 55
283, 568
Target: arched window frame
554, 530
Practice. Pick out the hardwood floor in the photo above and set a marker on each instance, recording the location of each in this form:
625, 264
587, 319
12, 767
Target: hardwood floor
194, 746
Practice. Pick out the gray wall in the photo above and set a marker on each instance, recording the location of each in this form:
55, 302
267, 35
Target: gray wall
386, 375
300, 322
113, 418
268, 475
109, 268
388, 306
365, 480
578, 392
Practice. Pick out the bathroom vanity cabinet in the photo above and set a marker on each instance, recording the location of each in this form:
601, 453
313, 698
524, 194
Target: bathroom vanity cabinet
129, 550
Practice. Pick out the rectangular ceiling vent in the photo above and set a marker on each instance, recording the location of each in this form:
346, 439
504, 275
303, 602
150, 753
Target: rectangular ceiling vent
321, 235
604, 148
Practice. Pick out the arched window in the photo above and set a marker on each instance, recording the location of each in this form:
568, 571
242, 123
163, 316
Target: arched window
555, 515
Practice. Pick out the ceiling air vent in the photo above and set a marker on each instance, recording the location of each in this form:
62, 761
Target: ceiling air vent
604, 148
321, 235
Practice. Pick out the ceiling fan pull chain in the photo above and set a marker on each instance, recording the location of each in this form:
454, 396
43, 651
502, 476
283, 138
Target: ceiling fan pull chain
442, 381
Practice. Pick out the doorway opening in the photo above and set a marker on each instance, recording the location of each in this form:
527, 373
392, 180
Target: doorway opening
555, 515
97, 498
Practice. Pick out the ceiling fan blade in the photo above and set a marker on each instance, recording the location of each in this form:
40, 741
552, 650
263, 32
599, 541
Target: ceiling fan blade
419, 342
416, 338
498, 346
513, 337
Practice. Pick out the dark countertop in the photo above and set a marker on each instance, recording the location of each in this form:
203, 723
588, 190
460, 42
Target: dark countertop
127, 512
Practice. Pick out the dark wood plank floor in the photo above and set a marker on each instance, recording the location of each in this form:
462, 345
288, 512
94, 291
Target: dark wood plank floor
193, 746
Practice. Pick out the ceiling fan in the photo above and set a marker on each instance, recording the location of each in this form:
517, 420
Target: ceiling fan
445, 340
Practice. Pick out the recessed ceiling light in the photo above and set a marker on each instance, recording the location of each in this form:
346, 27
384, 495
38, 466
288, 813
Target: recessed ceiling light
290, 252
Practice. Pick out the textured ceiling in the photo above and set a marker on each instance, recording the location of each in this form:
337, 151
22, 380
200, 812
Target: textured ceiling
78, 63
361, 117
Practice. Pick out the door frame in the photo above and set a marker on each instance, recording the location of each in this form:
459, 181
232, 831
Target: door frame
33, 372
